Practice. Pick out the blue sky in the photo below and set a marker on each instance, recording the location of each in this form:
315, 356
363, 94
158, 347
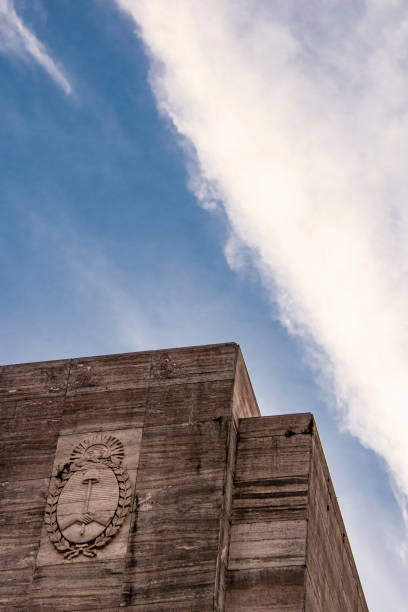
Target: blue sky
166, 175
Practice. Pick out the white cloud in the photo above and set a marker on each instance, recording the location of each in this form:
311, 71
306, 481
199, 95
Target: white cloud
297, 113
16, 39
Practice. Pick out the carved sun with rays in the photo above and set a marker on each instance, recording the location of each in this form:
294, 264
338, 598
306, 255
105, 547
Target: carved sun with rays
97, 447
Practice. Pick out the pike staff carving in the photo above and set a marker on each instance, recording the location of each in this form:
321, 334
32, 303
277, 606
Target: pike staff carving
89, 498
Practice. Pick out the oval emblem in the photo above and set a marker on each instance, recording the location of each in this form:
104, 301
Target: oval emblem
90, 498
87, 504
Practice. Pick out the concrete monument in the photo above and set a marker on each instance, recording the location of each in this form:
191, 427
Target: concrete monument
150, 481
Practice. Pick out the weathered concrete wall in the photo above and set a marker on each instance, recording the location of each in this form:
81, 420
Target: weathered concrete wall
288, 545
270, 510
332, 581
215, 507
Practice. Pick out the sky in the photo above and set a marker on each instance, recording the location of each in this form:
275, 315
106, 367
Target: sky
187, 172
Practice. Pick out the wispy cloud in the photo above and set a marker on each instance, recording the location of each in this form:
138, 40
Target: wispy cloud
18, 40
298, 118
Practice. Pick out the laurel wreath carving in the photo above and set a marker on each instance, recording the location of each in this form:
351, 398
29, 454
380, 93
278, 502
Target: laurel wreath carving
88, 549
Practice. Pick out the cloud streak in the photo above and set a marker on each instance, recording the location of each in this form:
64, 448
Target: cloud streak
297, 116
16, 39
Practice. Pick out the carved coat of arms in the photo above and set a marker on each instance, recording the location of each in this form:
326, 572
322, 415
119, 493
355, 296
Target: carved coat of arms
89, 498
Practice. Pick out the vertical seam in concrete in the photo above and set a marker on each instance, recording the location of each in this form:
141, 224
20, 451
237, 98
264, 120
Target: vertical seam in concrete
133, 510
66, 386
308, 515
224, 534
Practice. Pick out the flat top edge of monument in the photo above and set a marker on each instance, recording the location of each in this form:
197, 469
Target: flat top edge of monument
278, 424
63, 360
